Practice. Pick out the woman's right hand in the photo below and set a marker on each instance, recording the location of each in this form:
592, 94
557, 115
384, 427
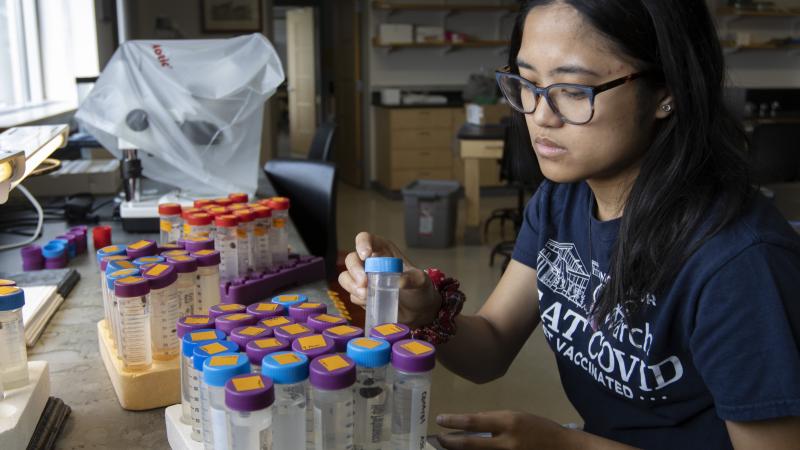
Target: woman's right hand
419, 300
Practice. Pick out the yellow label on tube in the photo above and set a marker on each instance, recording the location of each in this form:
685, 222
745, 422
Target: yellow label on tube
266, 307
417, 348
294, 328
366, 343
267, 343
197, 320
341, 330
286, 359
247, 383
214, 348
331, 363
220, 361
275, 321
205, 336
312, 342
388, 329
252, 331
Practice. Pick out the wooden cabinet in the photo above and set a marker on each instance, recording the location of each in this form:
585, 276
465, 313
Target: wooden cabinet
414, 143
419, 143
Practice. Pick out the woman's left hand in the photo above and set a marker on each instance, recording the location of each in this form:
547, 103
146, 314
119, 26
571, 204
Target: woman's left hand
510, 430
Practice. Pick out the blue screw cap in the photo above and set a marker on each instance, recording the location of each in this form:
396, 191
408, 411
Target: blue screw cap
383, 265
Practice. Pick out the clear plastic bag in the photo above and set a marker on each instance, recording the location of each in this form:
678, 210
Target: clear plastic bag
194, 109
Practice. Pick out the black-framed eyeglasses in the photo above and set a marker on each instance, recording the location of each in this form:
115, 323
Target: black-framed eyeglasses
573, 103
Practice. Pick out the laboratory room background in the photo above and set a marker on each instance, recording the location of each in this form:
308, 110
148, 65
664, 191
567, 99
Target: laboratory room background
399, 224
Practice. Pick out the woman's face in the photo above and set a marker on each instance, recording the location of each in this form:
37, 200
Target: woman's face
558, 46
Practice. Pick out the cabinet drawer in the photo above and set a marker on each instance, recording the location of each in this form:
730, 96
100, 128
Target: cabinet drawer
421, 139
401, 119
422, 159
401, 178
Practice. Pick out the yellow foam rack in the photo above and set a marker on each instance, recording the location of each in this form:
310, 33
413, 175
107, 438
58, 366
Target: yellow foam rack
158, 386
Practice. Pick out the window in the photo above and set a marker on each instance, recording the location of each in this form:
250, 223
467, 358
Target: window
44, 46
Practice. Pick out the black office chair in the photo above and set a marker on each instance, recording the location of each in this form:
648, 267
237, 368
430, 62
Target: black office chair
775, 153
311, 187
322, 144
520, 169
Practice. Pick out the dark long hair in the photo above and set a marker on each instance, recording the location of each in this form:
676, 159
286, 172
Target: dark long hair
696, 163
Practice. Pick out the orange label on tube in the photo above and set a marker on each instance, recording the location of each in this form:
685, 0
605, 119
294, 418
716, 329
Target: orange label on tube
140, 244
247, 383
287, 358
342, 330
331, 363
227, 360
312, 342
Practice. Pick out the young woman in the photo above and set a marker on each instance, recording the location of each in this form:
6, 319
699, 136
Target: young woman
665, 285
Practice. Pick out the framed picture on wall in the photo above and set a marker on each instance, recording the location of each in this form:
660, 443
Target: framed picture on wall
231, 16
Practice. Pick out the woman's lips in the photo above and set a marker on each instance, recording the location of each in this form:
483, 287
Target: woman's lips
547, 148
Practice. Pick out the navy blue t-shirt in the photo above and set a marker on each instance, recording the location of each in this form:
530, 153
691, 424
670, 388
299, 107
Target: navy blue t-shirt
722, 343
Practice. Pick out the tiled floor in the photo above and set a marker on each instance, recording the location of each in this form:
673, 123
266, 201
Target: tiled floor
532, 383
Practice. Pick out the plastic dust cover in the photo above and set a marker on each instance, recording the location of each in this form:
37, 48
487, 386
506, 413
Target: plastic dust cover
193, 108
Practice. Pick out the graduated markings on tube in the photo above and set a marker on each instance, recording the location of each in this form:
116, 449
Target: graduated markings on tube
219, 361
312, 342
332, 363
247, 383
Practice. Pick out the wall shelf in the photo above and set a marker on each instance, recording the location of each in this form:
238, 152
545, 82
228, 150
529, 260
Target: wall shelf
393, 7
738, 12
447, 46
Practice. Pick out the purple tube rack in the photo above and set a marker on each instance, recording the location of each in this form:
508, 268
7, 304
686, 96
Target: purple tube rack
255, 287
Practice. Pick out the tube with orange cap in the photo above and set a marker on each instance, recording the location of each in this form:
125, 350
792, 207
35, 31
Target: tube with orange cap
279, 234
170, 222
262, 222
246, 240
226, 243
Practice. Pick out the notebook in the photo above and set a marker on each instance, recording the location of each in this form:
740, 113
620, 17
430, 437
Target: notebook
45, 291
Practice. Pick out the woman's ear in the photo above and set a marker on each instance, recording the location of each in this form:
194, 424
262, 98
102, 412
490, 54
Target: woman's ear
665, 106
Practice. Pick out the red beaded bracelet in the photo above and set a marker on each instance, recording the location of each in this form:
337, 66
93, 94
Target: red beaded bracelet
443, 326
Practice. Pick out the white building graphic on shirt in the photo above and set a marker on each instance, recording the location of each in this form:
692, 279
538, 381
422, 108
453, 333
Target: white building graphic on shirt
560, 268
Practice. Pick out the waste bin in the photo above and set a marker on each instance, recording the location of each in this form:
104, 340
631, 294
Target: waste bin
431, 207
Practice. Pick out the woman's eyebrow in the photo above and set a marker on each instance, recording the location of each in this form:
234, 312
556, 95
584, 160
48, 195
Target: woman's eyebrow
525, 65
573, 69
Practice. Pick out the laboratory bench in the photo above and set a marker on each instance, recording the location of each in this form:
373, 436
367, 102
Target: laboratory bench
69, 344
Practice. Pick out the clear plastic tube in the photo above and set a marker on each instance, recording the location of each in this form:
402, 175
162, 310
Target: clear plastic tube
279, 237
410, 409
373, 412
106, 312
135, 338
226, 243
186, 405
218, 422
244, 235
383, 292
165, 312
250, 430
171, 228
13, 356
262, 253
333, 419
187, 292
205, 415
197, 230
195, 402
207, 289
289, 415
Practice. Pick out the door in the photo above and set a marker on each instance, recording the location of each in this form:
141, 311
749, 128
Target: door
348, 149
301, 73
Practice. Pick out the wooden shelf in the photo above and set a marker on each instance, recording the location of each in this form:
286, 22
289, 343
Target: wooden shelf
389, 6
731, 46
757, 13
468, 44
